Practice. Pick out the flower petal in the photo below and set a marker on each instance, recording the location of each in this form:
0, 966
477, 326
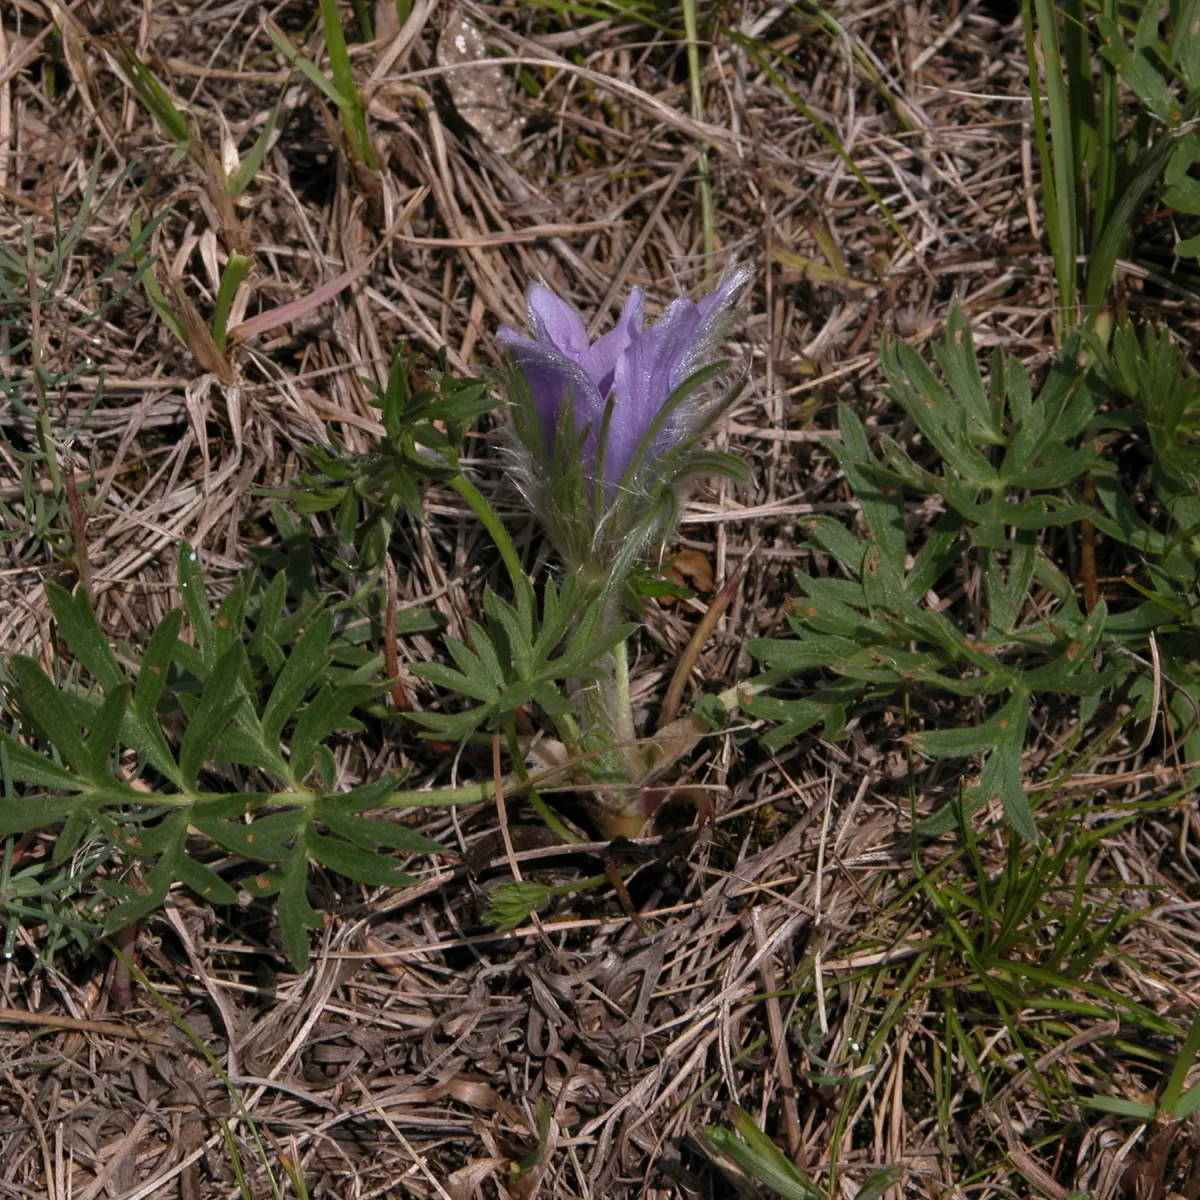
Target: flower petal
507, 336
724, 294
713, 311
551, 378
600, 362
557, 323
642, 383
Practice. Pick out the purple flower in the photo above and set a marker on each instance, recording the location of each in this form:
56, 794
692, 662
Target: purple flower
637, 370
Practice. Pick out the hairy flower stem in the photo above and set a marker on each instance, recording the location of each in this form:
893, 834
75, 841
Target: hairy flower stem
622, 705
542, 809
492, 523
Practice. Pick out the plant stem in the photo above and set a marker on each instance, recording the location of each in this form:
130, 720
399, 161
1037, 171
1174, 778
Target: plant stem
583, 885
623, 716
492, 523
691, 32
540, 806
471, 793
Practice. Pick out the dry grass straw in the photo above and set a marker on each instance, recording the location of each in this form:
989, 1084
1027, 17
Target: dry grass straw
413, 1056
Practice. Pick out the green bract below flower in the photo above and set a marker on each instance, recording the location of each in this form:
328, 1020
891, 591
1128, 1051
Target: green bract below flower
609, 431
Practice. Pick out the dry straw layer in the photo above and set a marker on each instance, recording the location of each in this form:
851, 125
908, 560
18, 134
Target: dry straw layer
413, 1055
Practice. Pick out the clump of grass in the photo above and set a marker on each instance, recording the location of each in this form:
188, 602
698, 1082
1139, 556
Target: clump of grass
1097, 172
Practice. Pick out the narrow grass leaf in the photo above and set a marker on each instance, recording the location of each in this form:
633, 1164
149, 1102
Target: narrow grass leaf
154, 97
1058, 156
343, 78
760, 1158
282, 314
305, 66
1186, 1060
1145, 177
875, 1186
241, 179
231, 279
146, 275
1188, 1103
1122, 1107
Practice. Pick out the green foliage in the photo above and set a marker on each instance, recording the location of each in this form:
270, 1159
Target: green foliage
1175, 1103
512, 659
157, 100
1097, 176
1000, 470
60, 896
259, 698
424, 430
758, 1156
1014, 960
1003, 464
231, 279
349, 102
1034, 931
1148, 377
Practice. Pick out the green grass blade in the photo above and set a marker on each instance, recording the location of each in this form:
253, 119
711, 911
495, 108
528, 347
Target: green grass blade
1105, 178
231, 279
1151, 164
155, 98
1169, 1101
696, 92
1056, 151
153, 291
1081, 100
760, 1158
241, 179
305, 66
353, 116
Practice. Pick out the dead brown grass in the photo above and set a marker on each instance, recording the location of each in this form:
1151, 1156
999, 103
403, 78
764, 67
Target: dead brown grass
415, 1054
